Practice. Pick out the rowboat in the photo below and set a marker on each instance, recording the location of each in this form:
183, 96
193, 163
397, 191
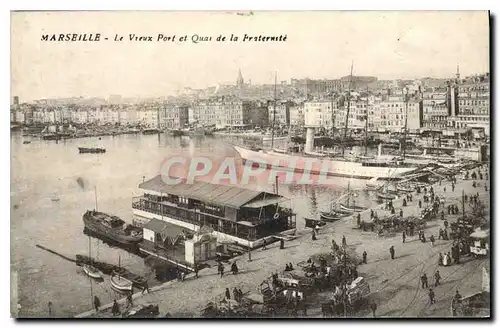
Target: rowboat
92, 272
352, 208
120, 283
385, 195
332, 216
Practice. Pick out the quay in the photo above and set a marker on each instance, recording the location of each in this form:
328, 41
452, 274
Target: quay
394, 284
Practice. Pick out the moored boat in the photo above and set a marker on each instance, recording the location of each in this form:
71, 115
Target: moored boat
352, 208
120, 283
150, 131
385, 195
92, 272
83, 150
26, 142
333, 216
112, 227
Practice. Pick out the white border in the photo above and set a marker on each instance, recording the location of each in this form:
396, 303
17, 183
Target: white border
185, 5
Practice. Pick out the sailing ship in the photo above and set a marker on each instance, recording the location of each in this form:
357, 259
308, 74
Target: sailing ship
120, 283
311, 162
348, 206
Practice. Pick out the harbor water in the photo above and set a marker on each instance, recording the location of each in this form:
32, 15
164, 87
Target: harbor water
52, 185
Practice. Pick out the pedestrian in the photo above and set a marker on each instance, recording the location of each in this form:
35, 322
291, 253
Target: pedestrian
440, 259
452, 187
372, 214
50, 309
116, 309
221, 269
317, 229
401, 213
234, 268
393, 211
344, 241
228, 294
442, 215
437, 278
404, 237
457, 296
364, 257
196, 270
97, 303
391, 250
264, 244
432, 240
373, 306
444, 189
424, 281
404, 202
282, 243
419, 203
145, 288
431, 296
130, 302
440, 235
240, 294
358, 220
236, 294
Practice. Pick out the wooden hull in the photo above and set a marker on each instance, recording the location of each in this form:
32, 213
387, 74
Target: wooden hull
352, 208
121, 283
386, 196
92, 272
332, 217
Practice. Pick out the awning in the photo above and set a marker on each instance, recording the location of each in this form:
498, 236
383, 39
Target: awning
480, 234
265, 202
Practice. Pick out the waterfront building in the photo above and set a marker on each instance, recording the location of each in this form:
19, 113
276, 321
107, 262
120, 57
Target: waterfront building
318, 113
282, 116
473, 101
235, 214
393, 114
174, 116
436, 110
297, 115
223, 112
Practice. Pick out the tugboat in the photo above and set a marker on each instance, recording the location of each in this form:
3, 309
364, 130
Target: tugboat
84, 150
112, 227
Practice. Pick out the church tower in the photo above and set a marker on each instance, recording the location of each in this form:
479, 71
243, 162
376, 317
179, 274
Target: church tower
240, 81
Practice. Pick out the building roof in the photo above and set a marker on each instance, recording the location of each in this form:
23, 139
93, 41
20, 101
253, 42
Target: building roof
223, 195
169, 229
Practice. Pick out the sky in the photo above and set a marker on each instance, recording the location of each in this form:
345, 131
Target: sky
320, 44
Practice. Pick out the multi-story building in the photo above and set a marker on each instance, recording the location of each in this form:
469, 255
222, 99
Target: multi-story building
223, 112
473, 101
174, 116
318, 113
358, 108
436, 110
297, 115
393, 114
282, 116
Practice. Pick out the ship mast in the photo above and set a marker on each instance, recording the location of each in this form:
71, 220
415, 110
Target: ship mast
366, 124
274, 111
406, 96
348, 109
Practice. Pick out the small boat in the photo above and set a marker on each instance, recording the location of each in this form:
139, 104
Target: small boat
352, 208
55, 199
26, 142
112, 227
92, 272
386, 196
120, 283
83, 150
403, 188
332, 216
150, 131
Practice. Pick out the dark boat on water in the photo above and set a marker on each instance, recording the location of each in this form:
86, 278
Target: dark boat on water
150, 131
84, 150
112, 227
51, 136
